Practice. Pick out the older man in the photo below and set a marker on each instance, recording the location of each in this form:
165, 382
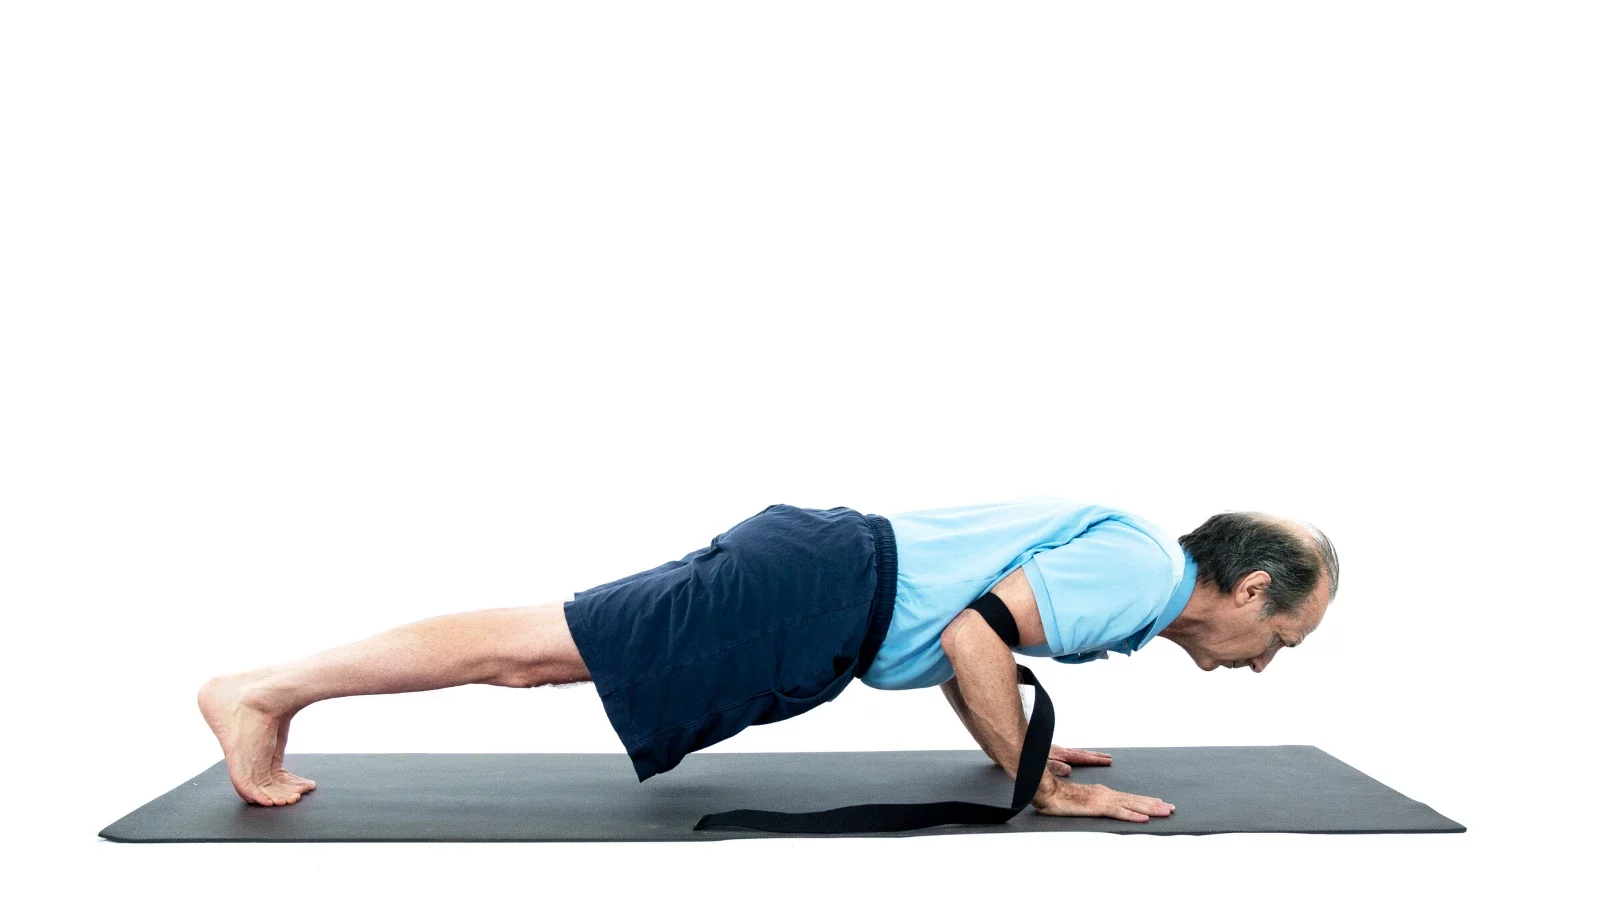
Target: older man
781, 612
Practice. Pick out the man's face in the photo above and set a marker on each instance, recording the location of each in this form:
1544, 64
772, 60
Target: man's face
1241, 638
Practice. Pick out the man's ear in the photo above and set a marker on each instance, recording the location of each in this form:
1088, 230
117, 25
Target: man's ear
1252, 588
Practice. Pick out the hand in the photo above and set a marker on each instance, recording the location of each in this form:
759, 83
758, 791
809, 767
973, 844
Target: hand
1099, 800
1062, 758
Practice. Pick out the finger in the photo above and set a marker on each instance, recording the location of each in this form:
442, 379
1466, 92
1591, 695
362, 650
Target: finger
1152, 805
1118, 812
1136, 805
1060, 768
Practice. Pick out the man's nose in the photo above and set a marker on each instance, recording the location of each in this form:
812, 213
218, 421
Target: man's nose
1259, 664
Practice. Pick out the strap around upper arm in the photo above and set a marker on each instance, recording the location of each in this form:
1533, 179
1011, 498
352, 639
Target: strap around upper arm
994, 611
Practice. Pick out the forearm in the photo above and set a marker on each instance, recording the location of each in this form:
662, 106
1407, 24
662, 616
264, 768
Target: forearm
986, 680
952, 693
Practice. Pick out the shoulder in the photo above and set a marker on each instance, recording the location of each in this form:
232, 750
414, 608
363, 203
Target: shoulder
1128, 570
1148, 552
1105, 584
1131, 547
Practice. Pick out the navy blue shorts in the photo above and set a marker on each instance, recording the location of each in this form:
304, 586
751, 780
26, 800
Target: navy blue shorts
774, 618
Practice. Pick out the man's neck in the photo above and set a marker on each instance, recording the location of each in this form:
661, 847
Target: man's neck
1191, 622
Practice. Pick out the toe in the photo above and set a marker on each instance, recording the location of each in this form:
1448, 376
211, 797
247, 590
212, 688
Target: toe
276, 794
291, 780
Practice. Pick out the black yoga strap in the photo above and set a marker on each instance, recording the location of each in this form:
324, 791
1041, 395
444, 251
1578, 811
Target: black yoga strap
907, 816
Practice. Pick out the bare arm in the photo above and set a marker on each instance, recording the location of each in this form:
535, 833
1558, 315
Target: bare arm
952, 693
986, 681
1017, 594
984, 694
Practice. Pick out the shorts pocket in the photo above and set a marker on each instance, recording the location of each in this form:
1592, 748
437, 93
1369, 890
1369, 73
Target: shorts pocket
824, 686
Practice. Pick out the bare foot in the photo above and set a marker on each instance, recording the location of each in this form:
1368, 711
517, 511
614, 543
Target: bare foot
252, 741
283, 777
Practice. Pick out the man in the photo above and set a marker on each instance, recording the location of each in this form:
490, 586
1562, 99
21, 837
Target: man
781, 612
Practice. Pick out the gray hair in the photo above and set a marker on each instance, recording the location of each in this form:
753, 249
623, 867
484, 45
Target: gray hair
1231, 545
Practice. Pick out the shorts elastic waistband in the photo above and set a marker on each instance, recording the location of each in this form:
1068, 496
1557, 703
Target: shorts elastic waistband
883, 596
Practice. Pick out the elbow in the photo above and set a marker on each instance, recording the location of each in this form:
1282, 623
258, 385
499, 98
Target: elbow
953, 640
947, 639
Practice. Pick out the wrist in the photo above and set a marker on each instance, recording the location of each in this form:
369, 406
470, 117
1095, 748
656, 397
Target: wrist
1050, 789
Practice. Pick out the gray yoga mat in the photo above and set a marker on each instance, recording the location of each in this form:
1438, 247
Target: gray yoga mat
597, 797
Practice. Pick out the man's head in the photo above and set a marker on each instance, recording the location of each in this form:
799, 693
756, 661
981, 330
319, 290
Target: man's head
1264, 583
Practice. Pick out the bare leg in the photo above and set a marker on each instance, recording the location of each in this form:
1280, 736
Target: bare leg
525, 646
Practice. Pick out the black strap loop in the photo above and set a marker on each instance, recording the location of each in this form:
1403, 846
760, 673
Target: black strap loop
870, 817
994, 611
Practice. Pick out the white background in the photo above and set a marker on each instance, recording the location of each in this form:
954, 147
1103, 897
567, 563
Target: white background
320, 318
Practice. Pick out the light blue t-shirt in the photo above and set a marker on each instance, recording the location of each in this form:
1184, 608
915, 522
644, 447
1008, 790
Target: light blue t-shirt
1103, 579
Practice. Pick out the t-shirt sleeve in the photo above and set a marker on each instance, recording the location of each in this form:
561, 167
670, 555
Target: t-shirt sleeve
1098, 588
